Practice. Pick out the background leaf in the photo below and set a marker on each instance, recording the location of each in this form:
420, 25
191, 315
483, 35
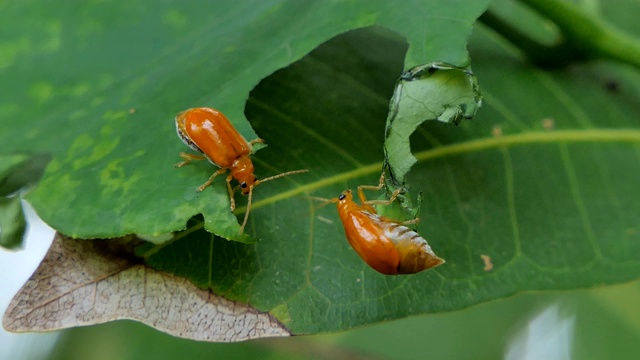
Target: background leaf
12, 222
17, 171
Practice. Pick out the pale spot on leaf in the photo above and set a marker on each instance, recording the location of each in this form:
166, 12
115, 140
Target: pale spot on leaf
488, 265
496, 131
548, 124
82, 282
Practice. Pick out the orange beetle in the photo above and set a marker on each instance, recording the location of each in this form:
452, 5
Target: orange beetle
209, 132
387, 245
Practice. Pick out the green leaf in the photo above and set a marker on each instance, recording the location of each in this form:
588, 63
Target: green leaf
12, 222
532, 186
123, 72
20, 171
17, 171
8, 165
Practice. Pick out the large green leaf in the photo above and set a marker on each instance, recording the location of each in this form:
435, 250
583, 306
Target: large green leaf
98, 85
533, 185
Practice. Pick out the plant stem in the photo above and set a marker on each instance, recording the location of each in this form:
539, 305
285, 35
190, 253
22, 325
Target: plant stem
554, 56
584, 36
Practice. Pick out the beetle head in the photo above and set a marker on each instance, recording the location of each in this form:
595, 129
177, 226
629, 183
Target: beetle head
242, 170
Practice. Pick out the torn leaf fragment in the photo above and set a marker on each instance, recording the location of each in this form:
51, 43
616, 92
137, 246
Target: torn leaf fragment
433, 91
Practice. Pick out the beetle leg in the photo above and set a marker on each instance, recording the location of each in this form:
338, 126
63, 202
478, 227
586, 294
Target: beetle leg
188, 158
230, 190
363, 199
406, 222
380, 202
361, 189
255, 141
410, 222
208, 182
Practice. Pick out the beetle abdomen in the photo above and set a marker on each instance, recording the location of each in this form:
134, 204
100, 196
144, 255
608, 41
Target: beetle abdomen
210, 132
414, 250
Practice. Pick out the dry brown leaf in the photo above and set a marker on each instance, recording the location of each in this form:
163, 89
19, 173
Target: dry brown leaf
82, 282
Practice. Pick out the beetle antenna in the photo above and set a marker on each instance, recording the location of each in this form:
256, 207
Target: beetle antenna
325, 201
280, 175
256, 183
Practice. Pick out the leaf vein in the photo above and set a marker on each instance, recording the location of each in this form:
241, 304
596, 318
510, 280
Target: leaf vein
510, 184
577, 198
631, 136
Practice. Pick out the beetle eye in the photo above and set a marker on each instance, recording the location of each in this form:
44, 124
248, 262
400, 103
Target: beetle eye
342, 196
243, 185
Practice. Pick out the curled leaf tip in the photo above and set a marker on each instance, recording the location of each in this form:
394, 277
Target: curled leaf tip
432, 91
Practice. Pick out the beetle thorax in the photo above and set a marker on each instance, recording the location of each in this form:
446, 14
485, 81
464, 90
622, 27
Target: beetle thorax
242, 170
346, 204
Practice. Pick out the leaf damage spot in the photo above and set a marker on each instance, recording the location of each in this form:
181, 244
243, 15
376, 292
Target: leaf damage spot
548, 124
486, 259
496, 131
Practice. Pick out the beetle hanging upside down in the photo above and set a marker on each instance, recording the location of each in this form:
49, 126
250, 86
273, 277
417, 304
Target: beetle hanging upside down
387, 245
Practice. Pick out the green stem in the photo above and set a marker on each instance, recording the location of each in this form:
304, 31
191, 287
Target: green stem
559, 55
584, 36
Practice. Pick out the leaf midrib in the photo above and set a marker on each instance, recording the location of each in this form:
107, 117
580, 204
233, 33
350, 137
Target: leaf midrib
534, 137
